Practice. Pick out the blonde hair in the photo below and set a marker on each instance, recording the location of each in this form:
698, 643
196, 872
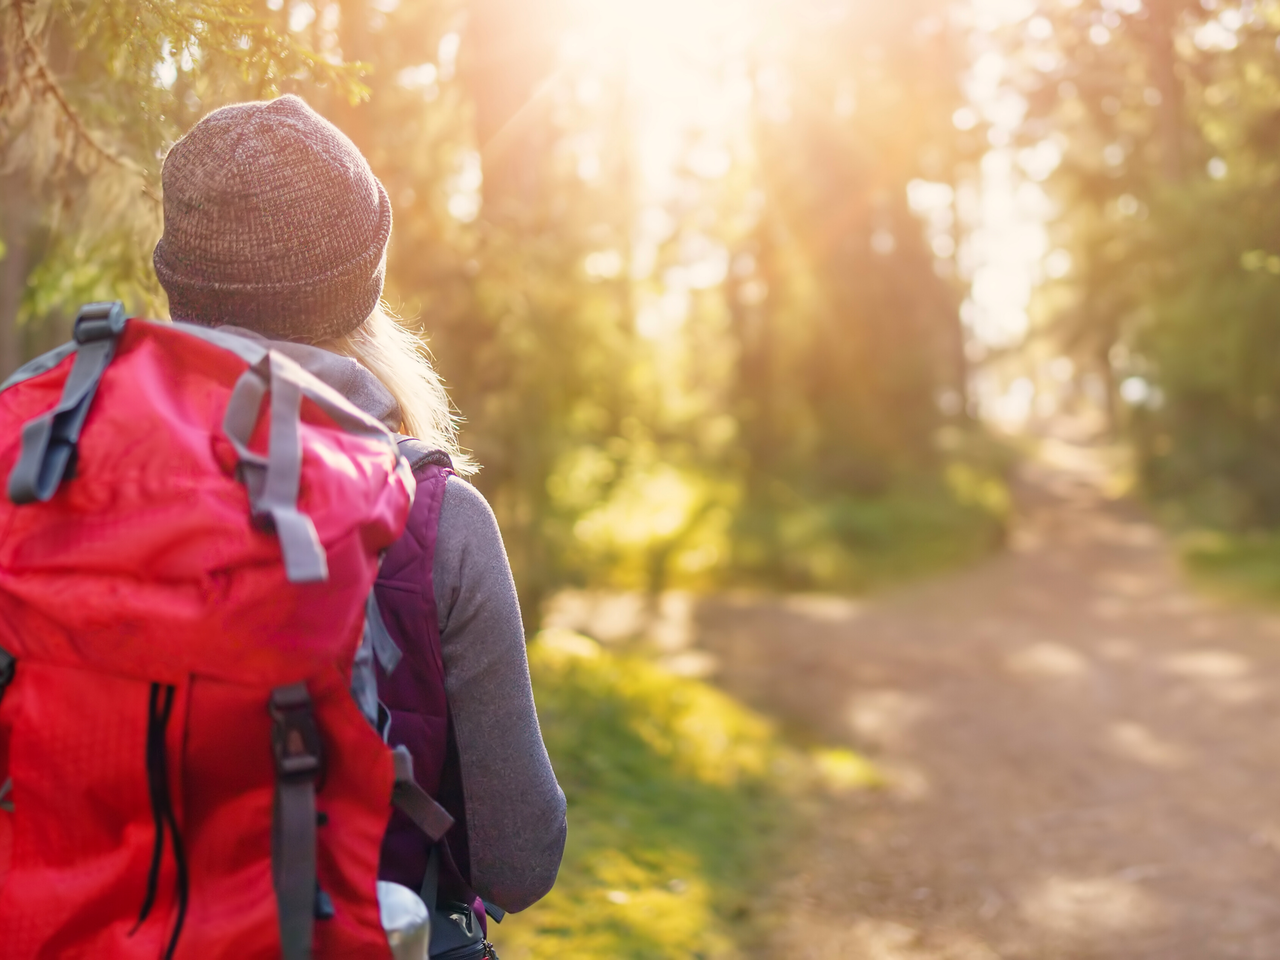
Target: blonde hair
396, 357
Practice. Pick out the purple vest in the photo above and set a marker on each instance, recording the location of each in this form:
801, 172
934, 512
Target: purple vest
414, 694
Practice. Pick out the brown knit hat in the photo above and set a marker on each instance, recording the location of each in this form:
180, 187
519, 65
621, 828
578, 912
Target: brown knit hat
272, 221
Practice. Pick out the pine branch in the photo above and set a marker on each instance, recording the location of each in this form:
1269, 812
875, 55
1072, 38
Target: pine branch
35, 58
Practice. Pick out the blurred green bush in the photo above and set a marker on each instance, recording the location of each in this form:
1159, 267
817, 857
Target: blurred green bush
649, 524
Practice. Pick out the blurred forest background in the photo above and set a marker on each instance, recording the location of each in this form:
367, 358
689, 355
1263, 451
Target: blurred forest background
707, 279
729, 292
687, 268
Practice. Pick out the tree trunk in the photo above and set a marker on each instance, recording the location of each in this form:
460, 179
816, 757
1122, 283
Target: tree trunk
353, 39
18, 215
1164, 58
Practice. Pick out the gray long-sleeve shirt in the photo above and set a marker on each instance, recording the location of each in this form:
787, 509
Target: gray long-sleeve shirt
515, 810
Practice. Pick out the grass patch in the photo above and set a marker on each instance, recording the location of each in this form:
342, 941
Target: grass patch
919, 525
650, 524
676, 802
852, 544
1241, 566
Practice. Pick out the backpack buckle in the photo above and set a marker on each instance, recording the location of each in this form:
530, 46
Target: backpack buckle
295, 737
99, 321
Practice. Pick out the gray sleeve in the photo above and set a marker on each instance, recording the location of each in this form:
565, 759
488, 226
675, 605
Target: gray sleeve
515, 810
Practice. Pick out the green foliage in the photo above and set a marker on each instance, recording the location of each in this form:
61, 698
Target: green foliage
1166, 121
643, 522
920, 524
1209, 439
1239, 567
673, 805
645, 525
1208, 343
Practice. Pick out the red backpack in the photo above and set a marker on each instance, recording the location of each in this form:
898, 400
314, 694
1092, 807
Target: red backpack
192, 530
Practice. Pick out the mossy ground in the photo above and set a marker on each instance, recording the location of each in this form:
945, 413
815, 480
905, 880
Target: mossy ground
679, 802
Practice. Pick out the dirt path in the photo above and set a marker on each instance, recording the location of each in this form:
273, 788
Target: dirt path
1085, 756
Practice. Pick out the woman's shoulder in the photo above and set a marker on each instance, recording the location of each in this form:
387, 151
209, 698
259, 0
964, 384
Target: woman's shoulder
470, 566
465, 514
461, 495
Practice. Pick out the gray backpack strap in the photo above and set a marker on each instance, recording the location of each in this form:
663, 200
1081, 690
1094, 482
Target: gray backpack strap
273, 480
414, 802
49, 441
376, 645
296, 744
379, 638
41, 364
364, 682
431, 879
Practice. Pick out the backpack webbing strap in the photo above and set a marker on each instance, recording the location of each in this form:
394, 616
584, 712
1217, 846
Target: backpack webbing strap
431, 879
49, 441
376, 645
380, 639
430, 890
296, 743
414, 802
273, 480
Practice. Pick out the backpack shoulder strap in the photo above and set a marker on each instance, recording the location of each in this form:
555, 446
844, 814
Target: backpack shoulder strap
420, 454
49, 441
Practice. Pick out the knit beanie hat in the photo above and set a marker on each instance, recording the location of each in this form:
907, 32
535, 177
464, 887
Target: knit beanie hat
272, 221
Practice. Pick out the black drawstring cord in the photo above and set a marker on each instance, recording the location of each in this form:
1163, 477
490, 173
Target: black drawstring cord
179, 855
162, 811
157, 812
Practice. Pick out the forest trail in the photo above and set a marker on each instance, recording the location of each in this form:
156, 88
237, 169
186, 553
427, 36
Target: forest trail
1083, 754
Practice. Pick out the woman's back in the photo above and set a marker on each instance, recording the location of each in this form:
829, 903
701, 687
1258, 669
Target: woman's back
276, 228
